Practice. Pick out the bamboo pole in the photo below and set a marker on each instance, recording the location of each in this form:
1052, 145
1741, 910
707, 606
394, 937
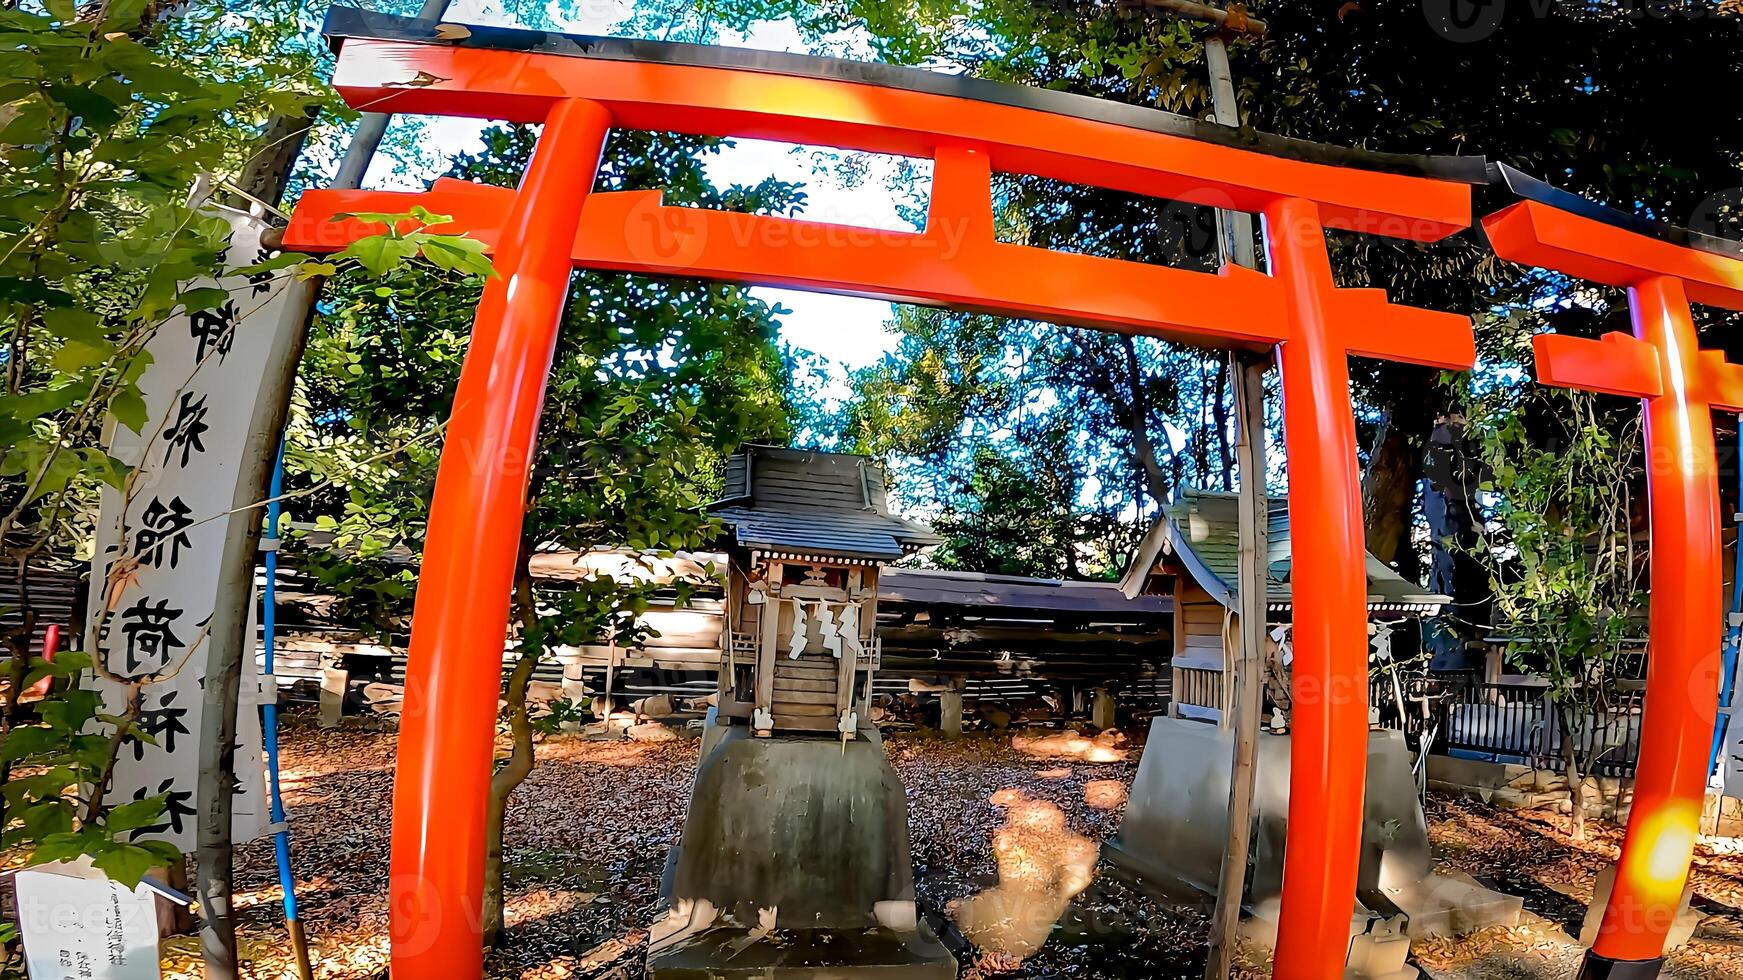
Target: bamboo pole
1247, 374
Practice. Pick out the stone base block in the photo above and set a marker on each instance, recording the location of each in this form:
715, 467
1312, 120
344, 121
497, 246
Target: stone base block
1681, 931
806, 954
1455, 906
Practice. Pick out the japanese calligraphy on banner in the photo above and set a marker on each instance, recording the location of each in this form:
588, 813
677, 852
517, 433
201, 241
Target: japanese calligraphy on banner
159, 543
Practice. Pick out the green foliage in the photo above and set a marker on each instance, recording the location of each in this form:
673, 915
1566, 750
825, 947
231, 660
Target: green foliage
652, 384
1020, 516
60, 767
108, 113
1560, 90
1559, 544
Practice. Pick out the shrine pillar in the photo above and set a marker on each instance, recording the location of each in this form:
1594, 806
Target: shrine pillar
1679, 386
460, 620
1685, 623
1329, 687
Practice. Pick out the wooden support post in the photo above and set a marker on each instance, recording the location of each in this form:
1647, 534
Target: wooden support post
1249, 664
765, 672
950, 708
575, 682
334, 681
1101, 710
1244, 706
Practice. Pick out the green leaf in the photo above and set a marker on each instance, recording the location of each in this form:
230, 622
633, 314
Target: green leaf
455, 254
67, 663
380, 254
129, 409
22, 743
63, 847
204, 298
134, 815
127, 863
47, 818
77, 356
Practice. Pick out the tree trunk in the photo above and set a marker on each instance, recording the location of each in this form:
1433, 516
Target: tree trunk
267, 173
1575, 779
1409, 400
1450, 476
1137, 420
1220, 413
230, 639
1389, 495
520, 759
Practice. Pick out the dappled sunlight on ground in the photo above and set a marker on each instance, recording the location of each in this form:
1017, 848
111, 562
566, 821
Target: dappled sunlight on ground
1105, 794
1042, 867
1530, 854
1104, 748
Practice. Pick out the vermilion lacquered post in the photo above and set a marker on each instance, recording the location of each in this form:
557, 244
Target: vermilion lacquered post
1329, 716
1686, 622
454, 669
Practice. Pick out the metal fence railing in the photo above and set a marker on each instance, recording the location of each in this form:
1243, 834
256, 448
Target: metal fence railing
1508, 722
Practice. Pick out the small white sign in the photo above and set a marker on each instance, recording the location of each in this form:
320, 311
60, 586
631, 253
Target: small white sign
79, 925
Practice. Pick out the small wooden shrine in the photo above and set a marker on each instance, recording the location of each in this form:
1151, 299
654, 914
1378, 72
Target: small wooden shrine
1192, 552
806, 535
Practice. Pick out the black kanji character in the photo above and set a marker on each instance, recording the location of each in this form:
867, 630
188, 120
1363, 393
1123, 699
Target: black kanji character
148, 632
213, 329
163, 723
175, 809
262, 281
188, 432
164, 528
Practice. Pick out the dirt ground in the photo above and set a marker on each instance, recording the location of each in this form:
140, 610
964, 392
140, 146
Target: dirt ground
588, 834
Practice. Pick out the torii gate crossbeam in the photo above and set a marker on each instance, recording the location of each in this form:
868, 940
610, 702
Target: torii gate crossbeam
552, 224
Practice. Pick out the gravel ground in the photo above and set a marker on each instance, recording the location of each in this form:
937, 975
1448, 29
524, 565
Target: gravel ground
991, 824
1530, 854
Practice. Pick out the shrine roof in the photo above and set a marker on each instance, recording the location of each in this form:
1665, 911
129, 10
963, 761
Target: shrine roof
1199, 535
791, 501
1017, 593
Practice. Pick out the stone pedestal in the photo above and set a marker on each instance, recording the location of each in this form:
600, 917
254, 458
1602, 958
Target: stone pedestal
334, 682
1101, 712
794, 862
1176, 826
1681, 930
950, 712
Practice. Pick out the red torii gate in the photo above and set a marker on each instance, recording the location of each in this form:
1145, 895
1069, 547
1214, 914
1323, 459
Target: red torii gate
552, 224
1680, 385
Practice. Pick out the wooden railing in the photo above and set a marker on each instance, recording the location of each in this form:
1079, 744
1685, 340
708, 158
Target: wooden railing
1198, 687
1508, 722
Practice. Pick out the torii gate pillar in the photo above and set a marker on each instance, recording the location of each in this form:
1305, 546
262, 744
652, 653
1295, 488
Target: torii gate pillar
470, 551
1680, 385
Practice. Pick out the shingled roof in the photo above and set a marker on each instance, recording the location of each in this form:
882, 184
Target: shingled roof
798, 502
1201, 529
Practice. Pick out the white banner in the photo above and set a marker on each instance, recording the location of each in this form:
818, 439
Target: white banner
155, 575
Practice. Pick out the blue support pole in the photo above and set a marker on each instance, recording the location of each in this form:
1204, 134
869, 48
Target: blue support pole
269, 727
